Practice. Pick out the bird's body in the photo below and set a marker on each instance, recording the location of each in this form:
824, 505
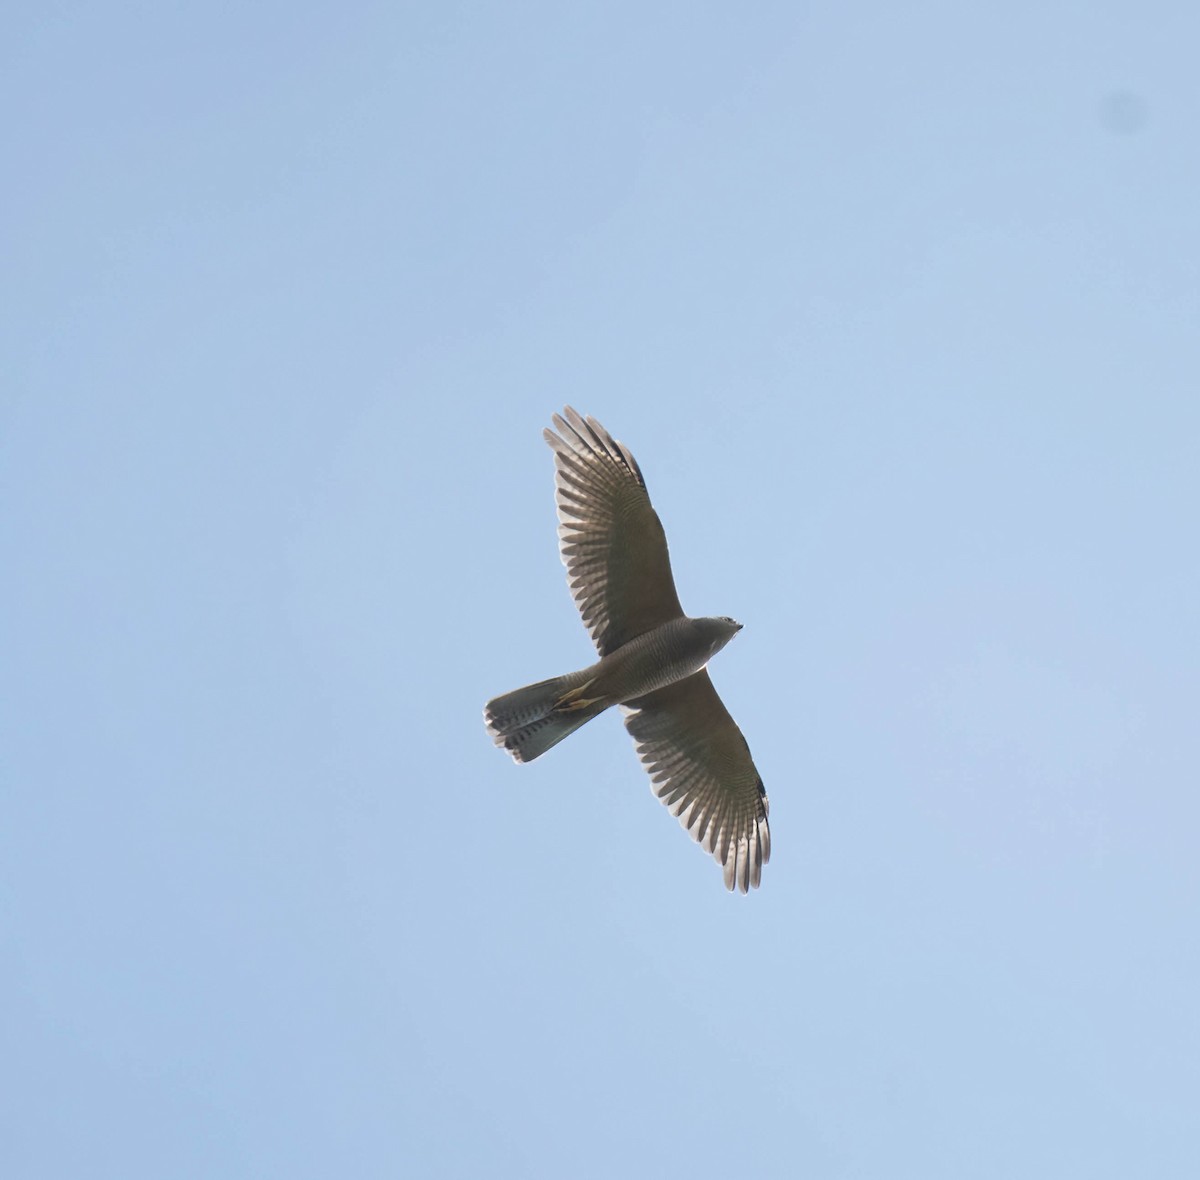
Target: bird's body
652, 657
530, 720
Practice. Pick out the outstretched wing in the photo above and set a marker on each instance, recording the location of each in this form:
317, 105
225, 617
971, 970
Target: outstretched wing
610, 538
700, 767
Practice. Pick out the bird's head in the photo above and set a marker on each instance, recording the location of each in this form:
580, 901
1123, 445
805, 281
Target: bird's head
718, 630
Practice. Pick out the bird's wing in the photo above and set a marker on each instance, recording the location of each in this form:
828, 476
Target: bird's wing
611, 539
700, 767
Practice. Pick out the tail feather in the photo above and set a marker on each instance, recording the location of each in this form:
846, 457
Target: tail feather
529, 720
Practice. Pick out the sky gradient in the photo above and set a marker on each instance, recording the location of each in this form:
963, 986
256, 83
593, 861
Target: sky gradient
897, 308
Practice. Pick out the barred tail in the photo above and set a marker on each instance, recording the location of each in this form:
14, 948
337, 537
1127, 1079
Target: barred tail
528, 721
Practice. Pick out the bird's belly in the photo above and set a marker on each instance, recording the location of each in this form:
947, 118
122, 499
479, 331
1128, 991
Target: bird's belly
669, 653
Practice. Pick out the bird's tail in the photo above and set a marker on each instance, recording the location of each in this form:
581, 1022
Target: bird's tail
528, 721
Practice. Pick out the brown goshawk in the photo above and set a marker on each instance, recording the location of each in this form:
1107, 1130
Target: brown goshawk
652, 657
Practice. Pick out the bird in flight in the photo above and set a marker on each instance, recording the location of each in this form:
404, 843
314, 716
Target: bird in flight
652, 657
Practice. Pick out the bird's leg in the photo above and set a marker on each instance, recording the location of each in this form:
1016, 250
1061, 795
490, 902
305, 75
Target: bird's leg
573, 699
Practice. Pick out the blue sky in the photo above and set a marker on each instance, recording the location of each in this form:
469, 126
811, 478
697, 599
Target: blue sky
896, 305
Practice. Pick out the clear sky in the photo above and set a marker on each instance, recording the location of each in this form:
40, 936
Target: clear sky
898, 306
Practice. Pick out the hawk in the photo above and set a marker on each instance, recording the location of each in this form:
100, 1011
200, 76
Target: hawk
652, 662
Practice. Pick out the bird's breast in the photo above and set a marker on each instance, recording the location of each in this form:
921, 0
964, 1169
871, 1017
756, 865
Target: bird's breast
660, 657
